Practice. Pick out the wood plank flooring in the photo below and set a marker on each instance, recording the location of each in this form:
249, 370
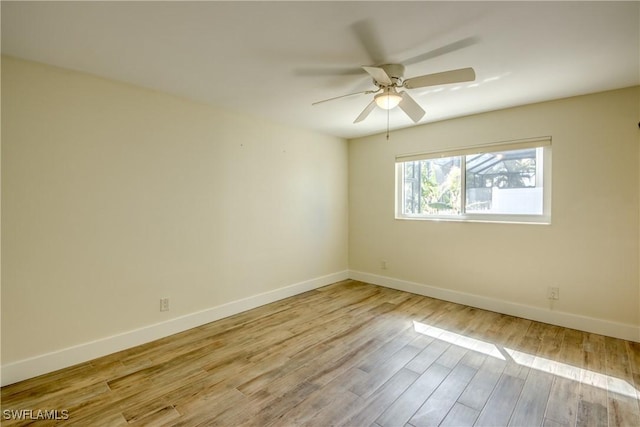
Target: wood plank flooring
350, 354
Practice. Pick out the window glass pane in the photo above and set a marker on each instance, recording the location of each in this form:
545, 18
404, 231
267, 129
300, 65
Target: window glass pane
507, 182
412, 187
433, 186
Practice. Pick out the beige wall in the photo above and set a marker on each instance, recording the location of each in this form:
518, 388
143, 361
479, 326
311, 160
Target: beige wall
591, 248
115, 196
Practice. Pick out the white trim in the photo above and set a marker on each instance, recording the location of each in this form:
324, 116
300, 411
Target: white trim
49, 362
486, 218
559, 318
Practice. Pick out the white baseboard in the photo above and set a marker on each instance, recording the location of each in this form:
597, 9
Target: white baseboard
49, 362
559, 318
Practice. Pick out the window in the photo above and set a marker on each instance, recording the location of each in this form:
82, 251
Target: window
507, 182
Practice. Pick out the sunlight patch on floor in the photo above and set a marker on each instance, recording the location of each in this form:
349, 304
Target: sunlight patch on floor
564, 370
457, 339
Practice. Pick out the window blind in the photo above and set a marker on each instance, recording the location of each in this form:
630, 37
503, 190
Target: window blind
543, 141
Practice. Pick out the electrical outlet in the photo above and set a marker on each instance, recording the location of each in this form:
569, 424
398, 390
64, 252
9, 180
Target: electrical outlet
383, 264
164, 304
553, 293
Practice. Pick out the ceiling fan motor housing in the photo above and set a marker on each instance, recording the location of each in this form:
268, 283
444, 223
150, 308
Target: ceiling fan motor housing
395, 72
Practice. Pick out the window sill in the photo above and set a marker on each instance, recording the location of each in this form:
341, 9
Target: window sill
493, 219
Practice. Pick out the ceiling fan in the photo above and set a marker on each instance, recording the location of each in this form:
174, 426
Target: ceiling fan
389, 77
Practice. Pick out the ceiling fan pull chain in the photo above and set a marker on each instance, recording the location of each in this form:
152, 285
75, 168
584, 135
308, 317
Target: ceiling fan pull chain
388, 124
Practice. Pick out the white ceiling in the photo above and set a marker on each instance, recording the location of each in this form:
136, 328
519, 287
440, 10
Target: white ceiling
272, 59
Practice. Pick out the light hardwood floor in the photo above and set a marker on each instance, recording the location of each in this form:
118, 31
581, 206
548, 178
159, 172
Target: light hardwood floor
352, 354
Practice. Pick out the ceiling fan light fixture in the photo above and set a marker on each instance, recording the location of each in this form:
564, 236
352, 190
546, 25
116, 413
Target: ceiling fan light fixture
388, 99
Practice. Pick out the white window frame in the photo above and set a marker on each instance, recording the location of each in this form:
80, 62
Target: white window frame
539, 142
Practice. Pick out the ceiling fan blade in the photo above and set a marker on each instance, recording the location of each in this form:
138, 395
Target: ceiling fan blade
453, 76
344, 96
411, 107
370, 40
379, 75
451, 47
367, 110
